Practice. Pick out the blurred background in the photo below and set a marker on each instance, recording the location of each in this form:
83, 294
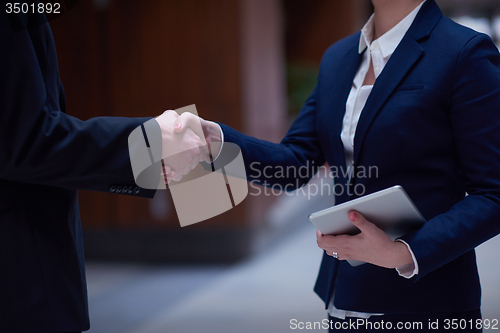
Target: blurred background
247, 63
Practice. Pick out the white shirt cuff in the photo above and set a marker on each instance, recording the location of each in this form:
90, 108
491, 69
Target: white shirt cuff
410, 270
222, 142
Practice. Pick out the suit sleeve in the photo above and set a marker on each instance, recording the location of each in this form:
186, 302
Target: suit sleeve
289, 164
475, 120
41, 144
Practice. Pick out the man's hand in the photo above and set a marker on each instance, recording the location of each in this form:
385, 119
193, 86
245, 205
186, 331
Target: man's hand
208, 129
182, 151
371, 245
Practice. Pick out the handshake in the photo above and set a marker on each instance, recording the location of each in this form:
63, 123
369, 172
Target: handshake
167, 148
186, 140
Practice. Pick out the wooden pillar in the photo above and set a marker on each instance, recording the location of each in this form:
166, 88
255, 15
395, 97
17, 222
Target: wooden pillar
263, 81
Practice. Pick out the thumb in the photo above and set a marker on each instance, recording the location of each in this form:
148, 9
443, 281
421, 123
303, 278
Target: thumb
359, 221
188, 120
181, 124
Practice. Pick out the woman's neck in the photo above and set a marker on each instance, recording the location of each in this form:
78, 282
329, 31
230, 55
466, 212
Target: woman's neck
388, 13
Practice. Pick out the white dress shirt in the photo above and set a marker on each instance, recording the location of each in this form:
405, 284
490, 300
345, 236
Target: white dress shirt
379, 51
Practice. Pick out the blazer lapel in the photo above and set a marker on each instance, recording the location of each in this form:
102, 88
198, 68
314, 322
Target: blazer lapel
404, 57
408, 52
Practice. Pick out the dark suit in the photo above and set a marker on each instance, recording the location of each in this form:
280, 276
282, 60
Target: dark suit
45, 156
432, 125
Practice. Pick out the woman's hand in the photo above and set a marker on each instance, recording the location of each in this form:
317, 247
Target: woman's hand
371, 245
204, 129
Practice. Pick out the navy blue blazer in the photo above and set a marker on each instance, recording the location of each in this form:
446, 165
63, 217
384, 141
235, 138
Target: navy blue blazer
45, 156
432, 125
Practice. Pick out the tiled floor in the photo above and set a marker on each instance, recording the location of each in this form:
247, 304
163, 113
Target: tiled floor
258, 296
261, 295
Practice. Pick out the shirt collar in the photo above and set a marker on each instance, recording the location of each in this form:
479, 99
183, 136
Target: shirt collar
389, 41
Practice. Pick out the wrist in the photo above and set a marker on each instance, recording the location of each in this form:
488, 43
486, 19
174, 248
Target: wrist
215, 139
401, 255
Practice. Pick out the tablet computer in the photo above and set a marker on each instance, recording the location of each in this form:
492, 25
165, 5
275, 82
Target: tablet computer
391, 210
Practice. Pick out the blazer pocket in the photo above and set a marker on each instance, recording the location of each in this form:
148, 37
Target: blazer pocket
412, 86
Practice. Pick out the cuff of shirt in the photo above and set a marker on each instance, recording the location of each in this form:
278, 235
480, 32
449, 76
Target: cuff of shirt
222, 142
410, 270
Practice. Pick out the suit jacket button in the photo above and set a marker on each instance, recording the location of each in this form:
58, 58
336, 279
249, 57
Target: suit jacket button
137, 190
130, 189
119, 189
112, 189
